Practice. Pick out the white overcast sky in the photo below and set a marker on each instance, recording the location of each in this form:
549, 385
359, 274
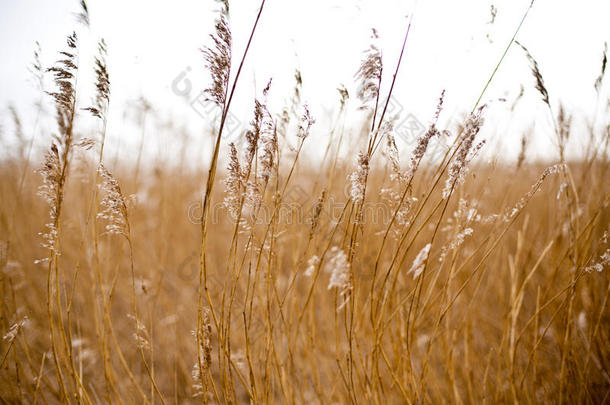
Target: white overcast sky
452, 46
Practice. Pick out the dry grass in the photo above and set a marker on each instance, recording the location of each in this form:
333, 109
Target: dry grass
359, 278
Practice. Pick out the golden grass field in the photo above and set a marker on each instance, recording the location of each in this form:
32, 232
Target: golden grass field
351, 275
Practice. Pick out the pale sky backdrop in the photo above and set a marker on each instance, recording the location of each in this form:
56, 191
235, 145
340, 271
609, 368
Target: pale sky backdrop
452, 46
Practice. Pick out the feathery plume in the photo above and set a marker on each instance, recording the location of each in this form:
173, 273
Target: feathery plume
85, 143
64, 73
339, 269
36, 68
83, 15
598, 82
233, 183
251, 148
140, 336
205, 339
296, 94
312, 263
269, 151
420, 261
14, 329
316, 211
466, 151
358, 178
392, 154
456, 242
114, 204
204, 336
306, 123
102, 83
196, 376
218, 58
537, 75
369, 72
344, 96
16, 122
493, 11
424, 140
604, 260
55, 164
564, 122
291, 109
509, 215
253, 195
259, 123
522, 150
50, 192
